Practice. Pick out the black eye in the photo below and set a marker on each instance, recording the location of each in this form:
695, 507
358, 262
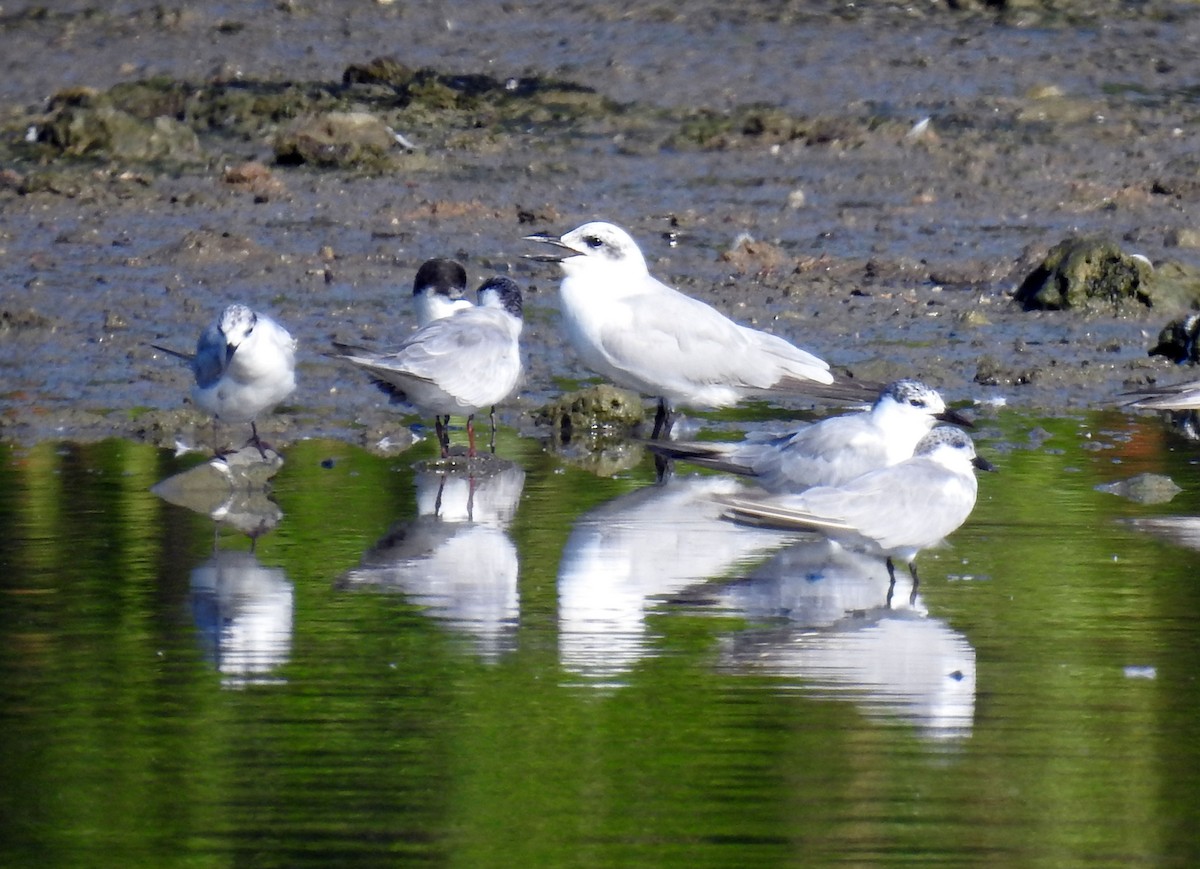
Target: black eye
916, 402
594, 241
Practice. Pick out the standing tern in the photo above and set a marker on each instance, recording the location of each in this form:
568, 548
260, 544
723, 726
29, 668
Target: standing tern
895, 511
641, 334
438, 291
830, 452
244, 364
457, 364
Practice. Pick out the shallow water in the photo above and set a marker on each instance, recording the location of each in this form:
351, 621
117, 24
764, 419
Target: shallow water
567, 669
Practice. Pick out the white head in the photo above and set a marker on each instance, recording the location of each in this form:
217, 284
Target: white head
912, 395
952, 448
911, 403
595, 247
236, 323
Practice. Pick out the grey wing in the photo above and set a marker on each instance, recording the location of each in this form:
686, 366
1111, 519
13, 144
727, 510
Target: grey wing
212, 357
828, 453
914, 502
796, 363
1179, 396
782, 513
683, 341
460, 353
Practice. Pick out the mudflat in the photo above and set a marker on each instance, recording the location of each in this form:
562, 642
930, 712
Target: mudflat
872, 182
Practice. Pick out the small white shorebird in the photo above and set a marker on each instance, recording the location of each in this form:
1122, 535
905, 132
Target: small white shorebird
641, 334
895, 511
457, 364
244, 364
438, 290
1178, 396
830, 452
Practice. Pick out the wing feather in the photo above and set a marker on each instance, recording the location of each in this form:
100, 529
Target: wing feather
212, 357
915, 503
460, 355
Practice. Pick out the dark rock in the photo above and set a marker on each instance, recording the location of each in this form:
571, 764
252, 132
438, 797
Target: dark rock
255, 178
103, 130
1088, 274
990, 372
381, 70
21, 320
1175, 285
1177, 340
334, 139
597, 407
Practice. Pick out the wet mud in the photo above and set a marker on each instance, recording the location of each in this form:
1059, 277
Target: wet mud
875, 184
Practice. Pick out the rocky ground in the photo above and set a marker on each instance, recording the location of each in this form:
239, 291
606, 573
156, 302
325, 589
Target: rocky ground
874, 181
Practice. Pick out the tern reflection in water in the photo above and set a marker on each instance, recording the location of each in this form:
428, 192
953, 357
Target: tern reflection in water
243, 612
233, 490
838, 633
455, 559
1180, 530
628, 553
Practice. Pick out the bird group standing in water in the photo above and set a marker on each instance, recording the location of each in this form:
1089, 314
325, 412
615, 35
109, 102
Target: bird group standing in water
887, 479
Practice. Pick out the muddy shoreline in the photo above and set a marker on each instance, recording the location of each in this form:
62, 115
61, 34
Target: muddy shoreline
873, 185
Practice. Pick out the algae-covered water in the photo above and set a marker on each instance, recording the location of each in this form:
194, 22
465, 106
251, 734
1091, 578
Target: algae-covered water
593, 671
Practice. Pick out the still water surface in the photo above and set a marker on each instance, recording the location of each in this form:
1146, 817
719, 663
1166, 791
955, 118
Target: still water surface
573, 670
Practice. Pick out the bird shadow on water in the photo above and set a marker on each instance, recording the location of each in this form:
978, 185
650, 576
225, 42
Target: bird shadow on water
825, 621
233, 490
822, 618
626, 554
455, 559
241, 608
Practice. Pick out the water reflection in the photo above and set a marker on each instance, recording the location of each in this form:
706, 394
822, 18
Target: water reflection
847, 635
805, 723
231, 490
243, 612
456, 558
635, 549
1180, 530
815, 583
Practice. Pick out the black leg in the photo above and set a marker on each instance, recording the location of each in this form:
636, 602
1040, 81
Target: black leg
912, 568
254, 439
437, 502
443, 435
492, 417
662, 421
219, 450
663, 467
891, 581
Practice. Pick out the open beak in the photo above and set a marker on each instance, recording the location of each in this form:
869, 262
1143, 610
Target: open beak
955, 418
553, 241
